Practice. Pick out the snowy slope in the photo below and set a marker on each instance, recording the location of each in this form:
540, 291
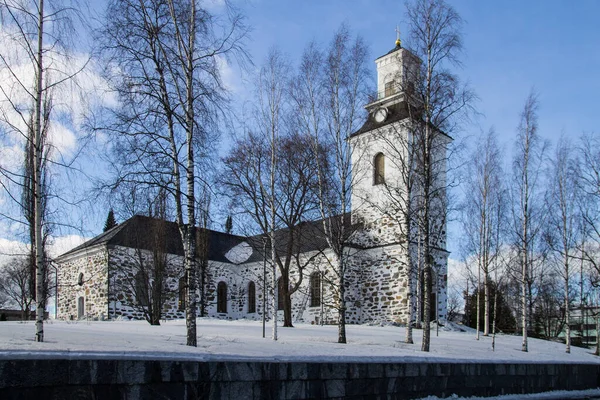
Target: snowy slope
242, 340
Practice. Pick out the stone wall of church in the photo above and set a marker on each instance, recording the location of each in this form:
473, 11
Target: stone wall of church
84, 276
237, 278
124, 264
325, 311
381, 277
376, 287
441, 276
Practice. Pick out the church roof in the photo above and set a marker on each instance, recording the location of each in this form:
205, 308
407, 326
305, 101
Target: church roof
147, 233
396, 112
395, 49
310, 234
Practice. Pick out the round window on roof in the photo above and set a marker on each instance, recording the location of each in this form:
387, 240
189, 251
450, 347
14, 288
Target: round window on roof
80, 279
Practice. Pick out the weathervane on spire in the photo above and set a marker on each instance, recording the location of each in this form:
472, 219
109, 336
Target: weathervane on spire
398, 41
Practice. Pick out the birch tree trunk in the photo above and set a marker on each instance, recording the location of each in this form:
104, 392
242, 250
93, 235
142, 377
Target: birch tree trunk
276, 294
524, 276
342, 302
409, 276
478, 297
37, 198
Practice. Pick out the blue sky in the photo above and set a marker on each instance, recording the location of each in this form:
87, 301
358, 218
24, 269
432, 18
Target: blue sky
509, 47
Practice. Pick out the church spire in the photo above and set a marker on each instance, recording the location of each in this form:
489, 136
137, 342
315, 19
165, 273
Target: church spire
398, 41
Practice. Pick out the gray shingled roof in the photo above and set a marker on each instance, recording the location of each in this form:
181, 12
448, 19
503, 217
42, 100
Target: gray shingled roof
143, 232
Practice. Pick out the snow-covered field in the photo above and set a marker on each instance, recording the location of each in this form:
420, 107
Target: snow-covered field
242, 340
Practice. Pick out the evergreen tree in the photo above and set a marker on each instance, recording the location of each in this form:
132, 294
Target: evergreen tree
110, 220
228, 224
505, 319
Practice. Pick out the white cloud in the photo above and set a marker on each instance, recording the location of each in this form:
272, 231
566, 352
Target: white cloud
11, 155
72, 99
58, 245
227, 74
10, 249
62, 244
62, 139
457, 272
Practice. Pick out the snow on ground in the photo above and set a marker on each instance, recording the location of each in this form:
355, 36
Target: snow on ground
554, 395
242, 340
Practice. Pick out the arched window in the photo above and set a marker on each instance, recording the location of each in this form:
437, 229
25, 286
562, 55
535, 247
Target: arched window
251, 297
80, 279
182, 293
141, 289
315, 289
379, 169
80, 307
280, 293
222, 297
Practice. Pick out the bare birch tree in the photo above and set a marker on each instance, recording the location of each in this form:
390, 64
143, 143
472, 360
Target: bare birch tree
171, 100
295, 189
442, 100
328, 92
34, 61
483, 213
589, 182
402, 208
563, 217
146, 273
252, 168
589, 245
527, 212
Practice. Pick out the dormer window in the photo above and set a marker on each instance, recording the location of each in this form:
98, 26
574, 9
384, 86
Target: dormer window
379, 169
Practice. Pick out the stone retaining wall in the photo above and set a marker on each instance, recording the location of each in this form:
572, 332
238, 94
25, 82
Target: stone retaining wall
148, 379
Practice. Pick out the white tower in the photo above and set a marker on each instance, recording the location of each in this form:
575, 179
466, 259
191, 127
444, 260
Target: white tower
379, 147
380, 159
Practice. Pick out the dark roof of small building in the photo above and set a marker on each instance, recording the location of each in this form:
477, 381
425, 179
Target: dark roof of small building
149, 233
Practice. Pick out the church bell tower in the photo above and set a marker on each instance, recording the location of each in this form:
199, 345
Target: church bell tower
379, 147
383, 164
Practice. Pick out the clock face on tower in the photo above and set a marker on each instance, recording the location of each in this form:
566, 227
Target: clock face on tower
380, 115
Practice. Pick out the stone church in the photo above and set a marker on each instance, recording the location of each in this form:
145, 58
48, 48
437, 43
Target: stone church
104, 278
